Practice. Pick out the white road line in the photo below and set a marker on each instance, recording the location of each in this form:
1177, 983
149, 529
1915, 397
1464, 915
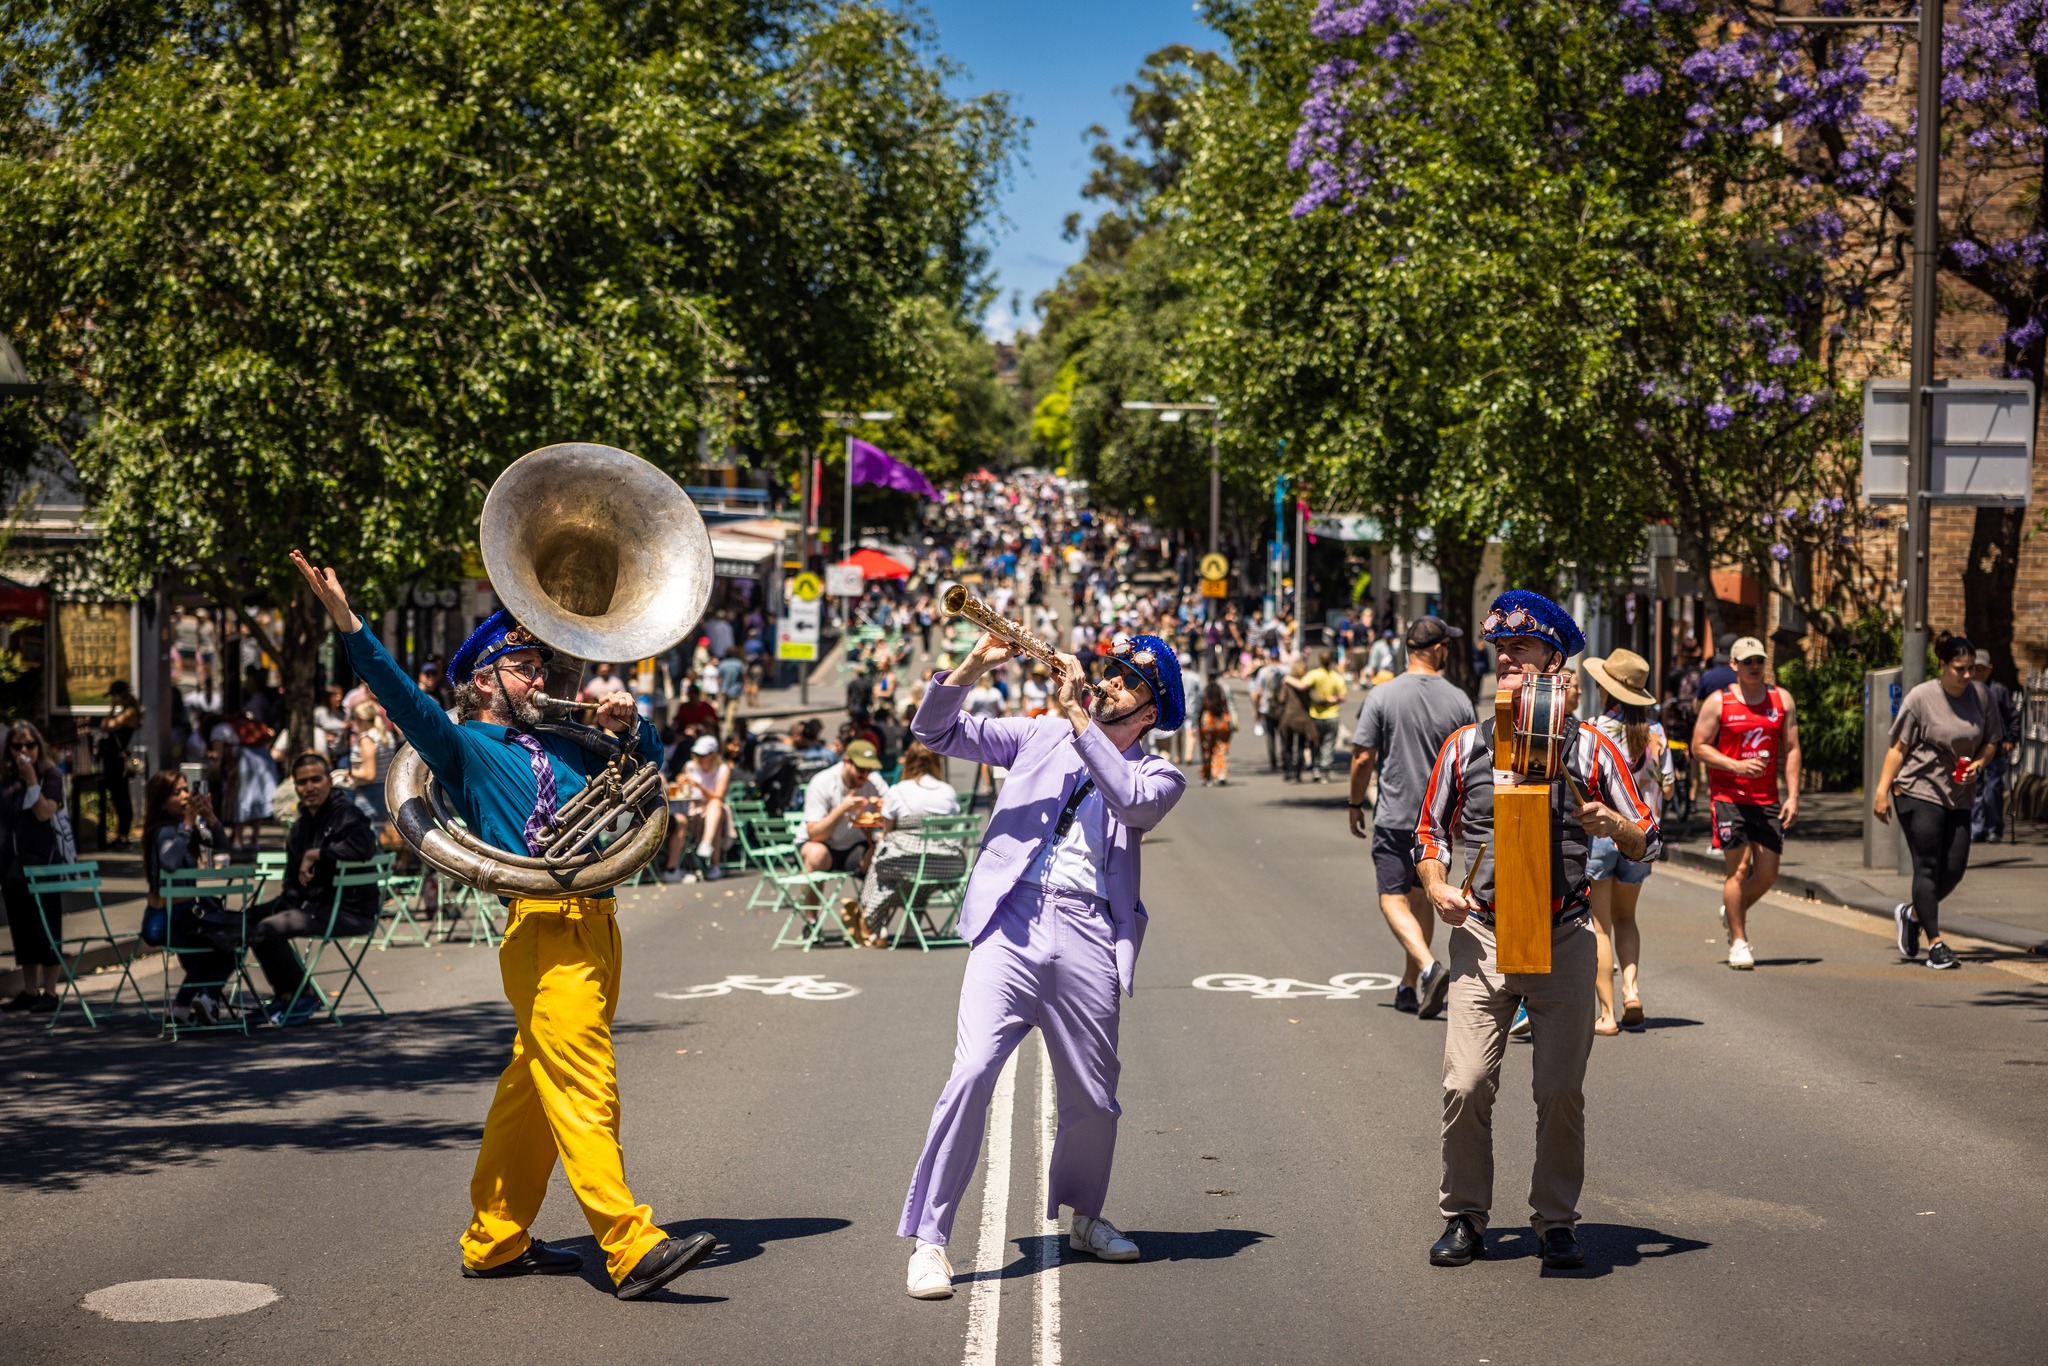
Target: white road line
1046, 1351
985, 1298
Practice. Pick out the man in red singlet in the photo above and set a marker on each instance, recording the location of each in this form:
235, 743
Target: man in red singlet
1747, 735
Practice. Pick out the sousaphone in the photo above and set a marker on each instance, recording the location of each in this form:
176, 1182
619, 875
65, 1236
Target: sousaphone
603, 557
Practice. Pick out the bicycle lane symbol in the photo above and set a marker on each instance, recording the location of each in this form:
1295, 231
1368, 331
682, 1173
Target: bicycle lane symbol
1345, 986
807, 988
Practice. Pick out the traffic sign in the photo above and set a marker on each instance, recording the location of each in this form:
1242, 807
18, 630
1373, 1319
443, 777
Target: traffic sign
1215, 588
799, 638
845, 580
806, 587
1983, 441
1214, 566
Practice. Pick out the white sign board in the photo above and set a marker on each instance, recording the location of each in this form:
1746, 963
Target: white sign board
799, 638
1983, 441
845, 581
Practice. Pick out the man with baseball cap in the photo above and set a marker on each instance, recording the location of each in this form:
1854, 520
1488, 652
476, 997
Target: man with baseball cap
1746, 735
832, 842
1400, 729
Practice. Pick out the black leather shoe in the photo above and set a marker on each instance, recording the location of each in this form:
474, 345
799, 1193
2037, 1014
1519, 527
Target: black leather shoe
668, 1261
538, 1260
1462, 1241
1561, 1250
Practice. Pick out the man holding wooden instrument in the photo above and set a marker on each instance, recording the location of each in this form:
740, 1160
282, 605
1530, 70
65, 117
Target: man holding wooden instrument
1525, 905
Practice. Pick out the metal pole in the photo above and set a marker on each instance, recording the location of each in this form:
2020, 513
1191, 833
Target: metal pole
1926, 247
1215, 478
846, 546
1300, 574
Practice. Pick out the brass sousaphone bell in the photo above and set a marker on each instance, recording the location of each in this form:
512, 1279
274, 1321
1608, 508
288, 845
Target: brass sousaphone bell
602, 557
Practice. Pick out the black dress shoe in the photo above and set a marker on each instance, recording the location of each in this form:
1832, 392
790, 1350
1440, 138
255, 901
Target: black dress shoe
538, 1260
1462, 1241
666, 1262
1561, 1250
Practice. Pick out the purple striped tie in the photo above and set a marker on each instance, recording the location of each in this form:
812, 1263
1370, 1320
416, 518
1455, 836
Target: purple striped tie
544, 780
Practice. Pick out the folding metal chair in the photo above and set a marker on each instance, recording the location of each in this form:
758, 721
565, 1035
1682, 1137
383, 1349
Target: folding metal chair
933, 885
372, 873
236, 888
403, 907
83, 879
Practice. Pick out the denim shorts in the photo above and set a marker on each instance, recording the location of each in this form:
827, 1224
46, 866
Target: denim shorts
1605, 861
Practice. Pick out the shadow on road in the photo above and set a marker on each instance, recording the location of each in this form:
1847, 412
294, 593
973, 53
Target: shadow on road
2025, 998
1661, 1022
1156, 1246
78, 1104
1606, 1246
739, 1240
1787, 962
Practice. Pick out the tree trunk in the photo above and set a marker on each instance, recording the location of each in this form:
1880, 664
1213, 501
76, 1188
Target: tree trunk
1989, 577
305, 626
1458, 555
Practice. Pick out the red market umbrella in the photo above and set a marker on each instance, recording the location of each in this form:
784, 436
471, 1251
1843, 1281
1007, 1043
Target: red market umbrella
875, 565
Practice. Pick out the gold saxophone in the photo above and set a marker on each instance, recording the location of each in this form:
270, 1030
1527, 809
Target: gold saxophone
961, 603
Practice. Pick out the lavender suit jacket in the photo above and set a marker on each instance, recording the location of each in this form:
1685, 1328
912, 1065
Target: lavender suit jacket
1046, 762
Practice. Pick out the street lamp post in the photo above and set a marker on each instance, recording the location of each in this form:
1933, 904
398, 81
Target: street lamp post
1173, 412
1920, 379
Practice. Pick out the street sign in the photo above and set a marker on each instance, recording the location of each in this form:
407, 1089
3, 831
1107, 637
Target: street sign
806, 587
845, 580
1214, 566
1983, 441
799, 639
1215, 588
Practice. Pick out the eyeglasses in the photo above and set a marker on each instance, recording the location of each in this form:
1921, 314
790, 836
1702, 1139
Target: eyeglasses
532, 673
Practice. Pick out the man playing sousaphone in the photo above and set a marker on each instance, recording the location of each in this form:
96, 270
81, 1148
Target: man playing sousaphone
560, 959
1533, 637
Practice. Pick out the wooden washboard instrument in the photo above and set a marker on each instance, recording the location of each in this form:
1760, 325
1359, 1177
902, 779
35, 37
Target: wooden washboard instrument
1531, 728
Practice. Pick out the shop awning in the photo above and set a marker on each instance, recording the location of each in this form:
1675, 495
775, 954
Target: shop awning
741, 557
875, 565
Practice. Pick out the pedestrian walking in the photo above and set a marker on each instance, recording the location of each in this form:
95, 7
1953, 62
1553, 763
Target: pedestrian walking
1326, 691
1987, 809
1400, 730
1297, 727
1217, 726
1945, 733
1617, 881
1265, 695
1532, 636
1748, 737
117, 732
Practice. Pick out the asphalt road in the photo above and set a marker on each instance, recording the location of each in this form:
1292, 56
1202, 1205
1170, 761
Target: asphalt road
1834, 1158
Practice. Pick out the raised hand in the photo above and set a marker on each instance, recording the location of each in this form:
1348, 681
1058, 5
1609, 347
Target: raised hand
327, 588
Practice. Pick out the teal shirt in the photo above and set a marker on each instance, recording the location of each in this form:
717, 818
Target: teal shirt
487, 776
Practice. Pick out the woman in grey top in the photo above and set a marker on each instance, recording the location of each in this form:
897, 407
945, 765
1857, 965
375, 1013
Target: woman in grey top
1945, 732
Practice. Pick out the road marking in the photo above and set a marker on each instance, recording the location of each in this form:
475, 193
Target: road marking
984, 1300
811, 988
1046, 1351
1345, 986
176, 1301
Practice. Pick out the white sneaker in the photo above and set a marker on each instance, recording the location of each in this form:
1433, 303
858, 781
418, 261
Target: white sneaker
1100, 1238
1739, 956
931, 1275
1726, 933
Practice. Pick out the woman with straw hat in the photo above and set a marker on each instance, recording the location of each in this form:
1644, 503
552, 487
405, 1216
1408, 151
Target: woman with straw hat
1629, 721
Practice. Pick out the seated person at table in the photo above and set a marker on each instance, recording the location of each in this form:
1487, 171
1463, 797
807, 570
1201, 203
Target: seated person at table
177, 827
697, 811
922, 794
835, 796
331, 829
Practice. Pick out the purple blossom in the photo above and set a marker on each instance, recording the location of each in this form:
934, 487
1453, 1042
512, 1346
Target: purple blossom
1643, 82
1719, 415
1784, 353
1780, 551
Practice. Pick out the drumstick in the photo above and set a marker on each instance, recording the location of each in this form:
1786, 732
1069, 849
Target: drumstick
1473, 870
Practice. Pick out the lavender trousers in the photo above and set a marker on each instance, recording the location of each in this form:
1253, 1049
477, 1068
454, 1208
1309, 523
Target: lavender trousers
1048, 960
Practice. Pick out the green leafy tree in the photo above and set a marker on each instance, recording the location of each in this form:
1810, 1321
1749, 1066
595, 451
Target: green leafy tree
317, 273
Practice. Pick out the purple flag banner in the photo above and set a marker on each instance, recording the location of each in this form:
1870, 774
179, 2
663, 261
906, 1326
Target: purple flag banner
873, 465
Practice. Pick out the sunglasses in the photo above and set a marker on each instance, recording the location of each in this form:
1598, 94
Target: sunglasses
22, 746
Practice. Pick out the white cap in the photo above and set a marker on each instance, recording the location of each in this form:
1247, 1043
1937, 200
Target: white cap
706, 744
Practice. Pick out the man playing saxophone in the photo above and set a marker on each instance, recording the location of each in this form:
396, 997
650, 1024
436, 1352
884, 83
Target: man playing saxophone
560, 959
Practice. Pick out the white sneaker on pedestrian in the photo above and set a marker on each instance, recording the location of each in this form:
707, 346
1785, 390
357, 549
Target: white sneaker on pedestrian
1739, 956
1726, 933
1908, 926
1100, 1238
931, 1275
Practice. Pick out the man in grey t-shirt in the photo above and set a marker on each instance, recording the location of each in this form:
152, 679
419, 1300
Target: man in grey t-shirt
1401, 728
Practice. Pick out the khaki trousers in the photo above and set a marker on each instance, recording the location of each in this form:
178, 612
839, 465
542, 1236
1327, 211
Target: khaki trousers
559, 1096
1481, 1006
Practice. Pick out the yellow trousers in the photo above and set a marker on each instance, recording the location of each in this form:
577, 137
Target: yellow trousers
560, 1093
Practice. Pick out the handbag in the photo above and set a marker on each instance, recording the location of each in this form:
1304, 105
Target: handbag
67, 842
155, 925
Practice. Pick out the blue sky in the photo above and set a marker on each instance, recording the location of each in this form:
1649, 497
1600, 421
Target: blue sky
1061, 62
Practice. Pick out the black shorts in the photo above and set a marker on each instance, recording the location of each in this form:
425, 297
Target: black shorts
1737, 823
1393, 861
847, 860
